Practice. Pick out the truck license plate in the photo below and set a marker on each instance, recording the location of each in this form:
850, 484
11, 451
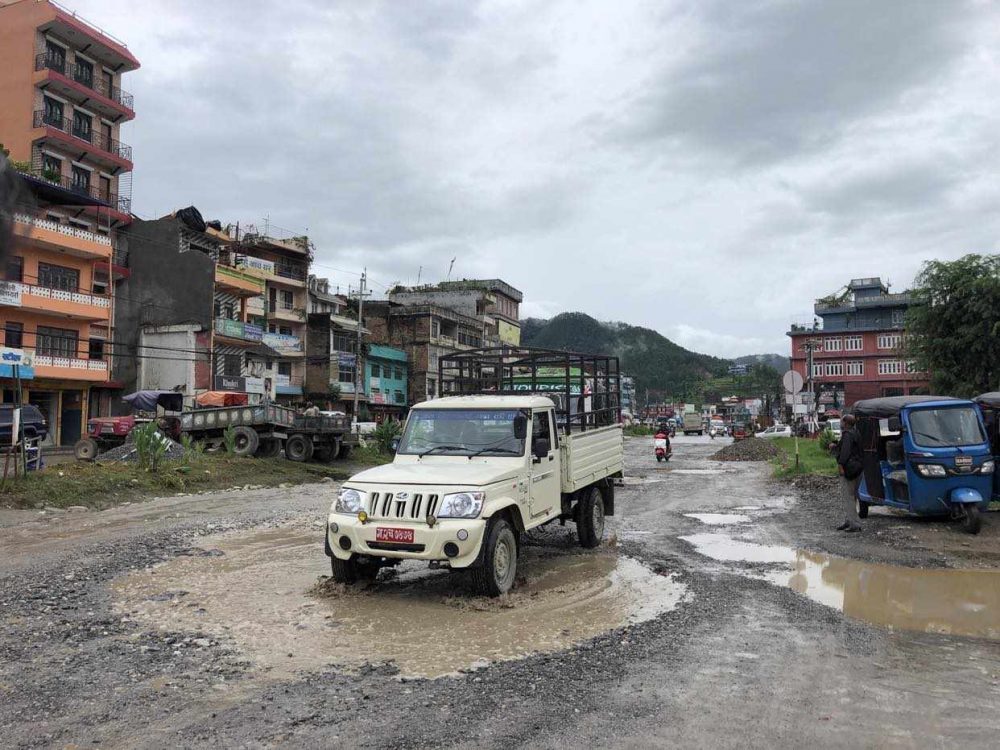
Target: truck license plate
963, 462
400, 536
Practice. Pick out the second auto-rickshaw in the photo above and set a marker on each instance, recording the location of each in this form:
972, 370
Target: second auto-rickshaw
928, 455
990, 405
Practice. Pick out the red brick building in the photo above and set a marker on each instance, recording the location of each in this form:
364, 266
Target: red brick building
855, 341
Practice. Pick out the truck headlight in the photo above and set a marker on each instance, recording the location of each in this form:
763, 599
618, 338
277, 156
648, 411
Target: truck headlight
931, 470
350, 502
461, 505
988, 467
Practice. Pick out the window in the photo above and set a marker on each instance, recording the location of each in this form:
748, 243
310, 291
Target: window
817, 370
834, 368
853, 344
432, 387
82, 125
376, 391
232, 367
284, 330
890, 367
58, 277
831, 345
285, 368
345, 374
52, 169
217, 309
15, 268
109, 84
435, 331
376, 371
55, 57
398, 397
343, 342
80, 180
898, 317
105, 188
13, 334
96, 349
56, 342
53, 113
83, 72
286, 300
856, 368
398, 374
889, 340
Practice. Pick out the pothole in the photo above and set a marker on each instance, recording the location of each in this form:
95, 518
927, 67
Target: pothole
262, 595
719, 519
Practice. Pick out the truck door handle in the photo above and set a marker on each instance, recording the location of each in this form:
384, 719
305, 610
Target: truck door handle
552, 458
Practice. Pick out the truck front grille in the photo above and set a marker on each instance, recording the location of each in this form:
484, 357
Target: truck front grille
415, 507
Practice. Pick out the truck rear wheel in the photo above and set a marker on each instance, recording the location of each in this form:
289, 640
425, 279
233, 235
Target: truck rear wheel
590, 518
298, 448
85, 449
494, 575
269, 448
246, 441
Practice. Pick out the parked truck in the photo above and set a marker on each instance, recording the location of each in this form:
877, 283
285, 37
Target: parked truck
475, 471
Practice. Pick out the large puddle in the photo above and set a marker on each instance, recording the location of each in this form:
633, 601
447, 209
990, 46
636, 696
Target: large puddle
955, 602
259, 591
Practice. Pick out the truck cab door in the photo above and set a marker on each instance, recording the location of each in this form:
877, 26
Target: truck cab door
545, 478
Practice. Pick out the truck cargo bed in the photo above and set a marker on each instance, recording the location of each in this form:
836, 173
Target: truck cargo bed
590, 456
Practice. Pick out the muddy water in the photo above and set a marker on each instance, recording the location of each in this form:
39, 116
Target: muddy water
955, 602
718, 519
261, 595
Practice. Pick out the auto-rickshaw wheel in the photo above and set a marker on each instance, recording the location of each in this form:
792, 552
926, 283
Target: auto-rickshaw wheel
972, 519
860, 506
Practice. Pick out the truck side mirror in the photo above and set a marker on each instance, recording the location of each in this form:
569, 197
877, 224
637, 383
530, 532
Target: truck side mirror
520, 427
394, 444
540, 448
895, 424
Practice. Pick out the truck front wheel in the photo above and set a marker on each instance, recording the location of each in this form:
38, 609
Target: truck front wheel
590, 518
351, 571
298, 448
246, 441
495, 574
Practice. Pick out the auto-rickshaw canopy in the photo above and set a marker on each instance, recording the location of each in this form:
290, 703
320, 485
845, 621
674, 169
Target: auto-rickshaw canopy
891, 406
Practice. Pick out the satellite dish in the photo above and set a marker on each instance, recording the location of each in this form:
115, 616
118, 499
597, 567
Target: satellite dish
792, 382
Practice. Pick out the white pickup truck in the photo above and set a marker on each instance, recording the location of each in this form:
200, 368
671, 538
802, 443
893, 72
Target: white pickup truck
470, 475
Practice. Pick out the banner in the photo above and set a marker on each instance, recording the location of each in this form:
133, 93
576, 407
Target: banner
10, 293
282, 343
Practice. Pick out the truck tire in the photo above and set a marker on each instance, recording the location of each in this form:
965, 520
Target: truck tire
972, 520
590, 518
352, 571
298, 448
247, 441
497, 569
269, 448
85, 449
344, 453
323, 454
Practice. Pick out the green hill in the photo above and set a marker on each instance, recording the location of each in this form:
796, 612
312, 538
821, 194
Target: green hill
653, 360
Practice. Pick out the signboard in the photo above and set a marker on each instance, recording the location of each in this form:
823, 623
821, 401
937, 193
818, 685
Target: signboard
254, 385
739, 369
255, 264
10, 293
346, 360
236, 329
283, 344
228, 383
24, 361
282, 379
792, 381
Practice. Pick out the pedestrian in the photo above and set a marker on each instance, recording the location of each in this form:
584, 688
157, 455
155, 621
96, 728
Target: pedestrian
850, 466
311, 410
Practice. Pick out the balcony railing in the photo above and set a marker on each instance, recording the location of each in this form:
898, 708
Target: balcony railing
80, 234
85, 77
74, 363
93, 137
115, 201
97, 300
290, 272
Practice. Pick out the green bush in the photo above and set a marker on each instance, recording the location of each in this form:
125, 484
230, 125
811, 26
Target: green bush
826, 439
150, 446
192, 448
384, 435
638, 430
229, 439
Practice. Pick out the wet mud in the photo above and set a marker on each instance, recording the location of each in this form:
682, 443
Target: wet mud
265, 593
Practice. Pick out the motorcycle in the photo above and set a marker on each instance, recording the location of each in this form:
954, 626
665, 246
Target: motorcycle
661, 447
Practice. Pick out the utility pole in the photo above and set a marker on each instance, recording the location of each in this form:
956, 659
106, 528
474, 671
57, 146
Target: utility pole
810, 346
358, 381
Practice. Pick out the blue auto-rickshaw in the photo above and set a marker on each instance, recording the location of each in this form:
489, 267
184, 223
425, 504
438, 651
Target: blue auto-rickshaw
928, 455
990, 405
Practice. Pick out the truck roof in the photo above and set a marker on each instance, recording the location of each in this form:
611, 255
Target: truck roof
487, 402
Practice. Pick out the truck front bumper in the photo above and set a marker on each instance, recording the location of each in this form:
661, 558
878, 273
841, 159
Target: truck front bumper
346, 536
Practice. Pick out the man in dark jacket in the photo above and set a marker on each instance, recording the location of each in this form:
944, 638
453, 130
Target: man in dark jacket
849, 465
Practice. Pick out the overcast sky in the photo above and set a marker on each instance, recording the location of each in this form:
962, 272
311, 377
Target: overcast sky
703, 168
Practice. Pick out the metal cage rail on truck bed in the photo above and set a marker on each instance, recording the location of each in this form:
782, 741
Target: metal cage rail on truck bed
586, 388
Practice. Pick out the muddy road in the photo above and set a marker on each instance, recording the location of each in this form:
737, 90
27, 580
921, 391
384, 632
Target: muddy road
724, 611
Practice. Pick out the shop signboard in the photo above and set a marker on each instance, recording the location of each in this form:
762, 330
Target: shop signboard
10, 293
283, 344
228, 383
254, 385
23, 359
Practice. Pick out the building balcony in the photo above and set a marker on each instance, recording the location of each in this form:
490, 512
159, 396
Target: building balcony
55, 302
83, 34
70, 368
81, 85
237, 282
63, 190
292, 314
62, 238
103, 150
238, 331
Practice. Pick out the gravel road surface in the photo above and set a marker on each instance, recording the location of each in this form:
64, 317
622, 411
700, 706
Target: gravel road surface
723, 612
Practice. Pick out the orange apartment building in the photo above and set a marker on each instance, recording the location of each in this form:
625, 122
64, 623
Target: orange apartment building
63, 106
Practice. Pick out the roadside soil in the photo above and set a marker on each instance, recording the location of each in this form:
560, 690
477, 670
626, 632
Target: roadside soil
166, 623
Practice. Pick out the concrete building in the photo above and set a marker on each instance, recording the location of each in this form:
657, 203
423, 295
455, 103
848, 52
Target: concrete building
425, 333
856, 343
386, 382
492, 301
62, 107
332, 350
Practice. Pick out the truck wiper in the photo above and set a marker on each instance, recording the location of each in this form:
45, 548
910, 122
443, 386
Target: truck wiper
481, 451
935, 438
441, 448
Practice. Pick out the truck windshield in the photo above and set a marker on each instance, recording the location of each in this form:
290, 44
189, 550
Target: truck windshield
946, 427
461, 432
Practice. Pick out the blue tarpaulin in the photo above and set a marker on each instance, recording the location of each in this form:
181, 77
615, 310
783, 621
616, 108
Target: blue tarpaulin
149, 400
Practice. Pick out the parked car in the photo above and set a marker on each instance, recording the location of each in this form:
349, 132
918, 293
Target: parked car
778, 430
31, 417
833, 425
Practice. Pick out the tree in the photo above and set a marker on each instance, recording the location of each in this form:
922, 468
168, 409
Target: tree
953, 325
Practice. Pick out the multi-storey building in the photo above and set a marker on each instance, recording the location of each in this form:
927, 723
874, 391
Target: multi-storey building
492, 301
425, 332
283, 264
856, 346
332, 350
62, 108
386, 382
